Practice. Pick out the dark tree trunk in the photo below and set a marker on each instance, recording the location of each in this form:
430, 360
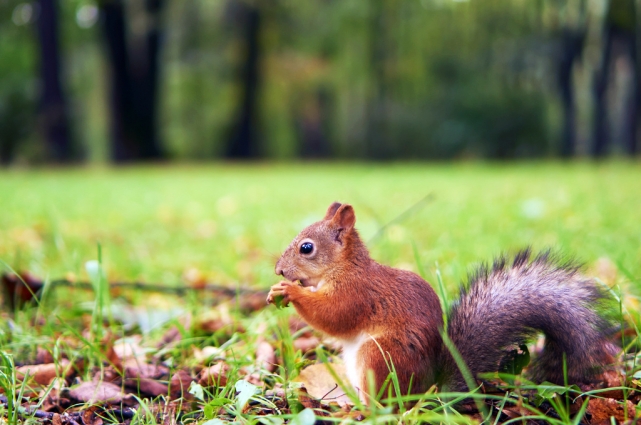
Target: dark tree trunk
632, 147
53, 113
600, 141
377, 144
312, 119
620, 31
134, 83
571, 49
243, 142
145, 75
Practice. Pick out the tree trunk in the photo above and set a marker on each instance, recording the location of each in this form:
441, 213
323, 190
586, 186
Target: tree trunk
377, 143
243, 142
53, 113
571, 48
620, 30
134, 83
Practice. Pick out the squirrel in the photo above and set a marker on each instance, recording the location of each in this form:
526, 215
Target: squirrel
373, 309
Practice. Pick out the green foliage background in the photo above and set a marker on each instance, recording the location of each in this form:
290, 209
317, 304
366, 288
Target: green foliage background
384, 78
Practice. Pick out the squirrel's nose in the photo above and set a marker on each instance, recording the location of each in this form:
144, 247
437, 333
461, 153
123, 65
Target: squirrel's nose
279, 270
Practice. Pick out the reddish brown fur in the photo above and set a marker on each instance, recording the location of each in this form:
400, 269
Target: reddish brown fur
357, 297
397, 313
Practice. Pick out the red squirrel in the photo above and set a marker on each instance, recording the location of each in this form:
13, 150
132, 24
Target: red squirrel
373, 309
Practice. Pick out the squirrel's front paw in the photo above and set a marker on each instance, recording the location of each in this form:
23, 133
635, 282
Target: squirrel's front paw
278, 294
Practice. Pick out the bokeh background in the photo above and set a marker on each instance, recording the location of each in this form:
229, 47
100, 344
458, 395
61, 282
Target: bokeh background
133, 80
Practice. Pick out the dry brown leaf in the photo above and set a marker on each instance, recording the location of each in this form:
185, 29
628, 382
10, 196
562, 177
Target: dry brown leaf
205, 354
307, 400
305, 344
129, 348
56, 419
179, 385
513, 412
214, 375
195, 278
43, 356
49, 396
613, 378
266, 356
352, 415
90, 417
43, 374
172, 335
92, 392
135, 369
601, 409
320, 384
146, 387
19, 289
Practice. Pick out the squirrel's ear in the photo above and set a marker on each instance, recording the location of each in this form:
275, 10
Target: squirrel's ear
332, 210
344, 218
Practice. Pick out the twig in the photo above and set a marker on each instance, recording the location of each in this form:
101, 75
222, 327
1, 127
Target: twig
402, 216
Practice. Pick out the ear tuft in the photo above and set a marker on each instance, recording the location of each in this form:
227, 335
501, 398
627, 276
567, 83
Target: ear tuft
344, 218
331, 211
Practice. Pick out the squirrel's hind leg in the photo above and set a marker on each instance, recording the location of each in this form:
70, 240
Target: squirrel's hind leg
384, 355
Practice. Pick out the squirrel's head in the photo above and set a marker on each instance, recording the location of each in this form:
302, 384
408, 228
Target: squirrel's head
321, 247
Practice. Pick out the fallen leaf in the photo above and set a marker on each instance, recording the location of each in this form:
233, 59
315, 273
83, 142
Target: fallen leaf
135, 369
43, 374
20, 288
172, 335
147, 387
305, 344
95, 391
179, 385
56, 419
245, 391
214, 375
43, 356
129, 348
205, 354
611, 379
266, 356
195, 278
601, 409
90, 416
306, 400
514, 412
320, 384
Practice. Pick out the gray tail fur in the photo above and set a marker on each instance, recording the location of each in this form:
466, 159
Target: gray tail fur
513, 301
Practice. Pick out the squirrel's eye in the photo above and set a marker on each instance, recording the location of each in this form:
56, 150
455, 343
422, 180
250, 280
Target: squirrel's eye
306, 248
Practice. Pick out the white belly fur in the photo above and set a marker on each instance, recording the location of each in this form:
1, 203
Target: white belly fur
350, 358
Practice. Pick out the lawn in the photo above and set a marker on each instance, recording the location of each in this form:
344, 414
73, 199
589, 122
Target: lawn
231, 221
228, 223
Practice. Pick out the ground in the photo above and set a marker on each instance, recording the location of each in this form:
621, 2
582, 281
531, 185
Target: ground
213, 232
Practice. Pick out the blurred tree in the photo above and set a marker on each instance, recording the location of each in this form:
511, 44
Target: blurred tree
18, 55
571, 41
619, 41
53, 114
134, 79
569, 31
380, 59
243, 142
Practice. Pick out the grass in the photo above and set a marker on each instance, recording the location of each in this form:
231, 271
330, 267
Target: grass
232, 222
229, 223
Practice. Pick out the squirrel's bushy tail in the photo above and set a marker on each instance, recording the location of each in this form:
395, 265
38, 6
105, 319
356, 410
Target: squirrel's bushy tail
513, 301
